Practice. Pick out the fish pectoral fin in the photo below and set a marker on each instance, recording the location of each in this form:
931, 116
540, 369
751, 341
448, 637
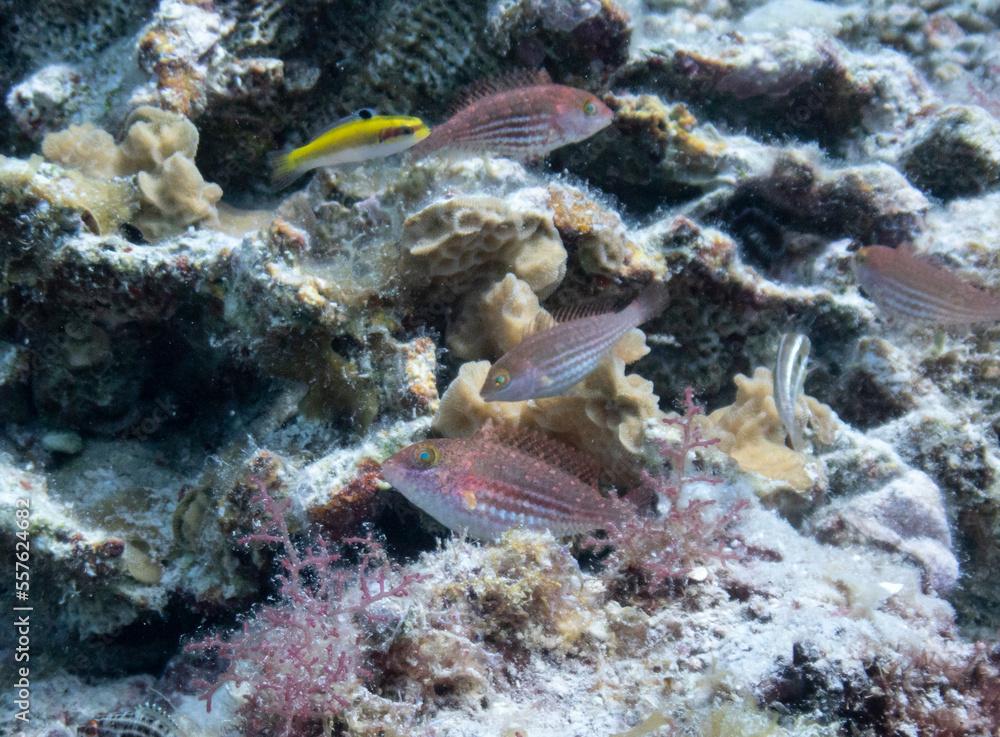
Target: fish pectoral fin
469, 498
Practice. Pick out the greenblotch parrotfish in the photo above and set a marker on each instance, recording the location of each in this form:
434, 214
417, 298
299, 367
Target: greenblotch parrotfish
907, 285
358, 137
523, 116
549, 362
500, 479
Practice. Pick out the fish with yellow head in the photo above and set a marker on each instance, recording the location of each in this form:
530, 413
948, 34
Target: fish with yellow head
358, 137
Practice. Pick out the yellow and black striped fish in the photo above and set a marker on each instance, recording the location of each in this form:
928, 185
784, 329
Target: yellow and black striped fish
358, 137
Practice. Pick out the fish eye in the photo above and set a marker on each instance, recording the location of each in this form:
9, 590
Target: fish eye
501, 379
427, 456
590, 108
405, 130
366, 113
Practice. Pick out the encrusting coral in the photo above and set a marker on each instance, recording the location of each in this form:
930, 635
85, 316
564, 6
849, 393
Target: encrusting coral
159, 148
751, 432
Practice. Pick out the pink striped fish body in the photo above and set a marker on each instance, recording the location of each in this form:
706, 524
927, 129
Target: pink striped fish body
548, 363
905, 284
490, 483
523, 122
142, 721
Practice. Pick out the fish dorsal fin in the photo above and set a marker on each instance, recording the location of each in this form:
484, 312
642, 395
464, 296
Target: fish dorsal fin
541, 446
365, 113
494, 85
542, 322
589, 308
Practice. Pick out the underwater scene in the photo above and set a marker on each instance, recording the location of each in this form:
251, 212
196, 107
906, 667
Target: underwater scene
500, 368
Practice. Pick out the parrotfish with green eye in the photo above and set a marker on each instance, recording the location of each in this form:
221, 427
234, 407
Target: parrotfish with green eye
358, 137
523, 116
549, 362
500, 479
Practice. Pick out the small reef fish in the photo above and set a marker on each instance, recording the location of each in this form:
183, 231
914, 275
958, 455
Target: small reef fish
146, 720
906, 284
358, 137
789, 381
500, 479
523, 116
547, 363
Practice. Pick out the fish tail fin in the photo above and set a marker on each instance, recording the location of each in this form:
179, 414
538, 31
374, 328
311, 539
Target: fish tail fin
650, 302
284, 169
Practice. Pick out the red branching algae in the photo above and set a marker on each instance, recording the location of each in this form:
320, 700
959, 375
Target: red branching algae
304, 655
654, 556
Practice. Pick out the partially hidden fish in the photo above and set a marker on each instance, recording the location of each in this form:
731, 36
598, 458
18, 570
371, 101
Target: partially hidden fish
903, 283
523, 116
500, 479
358, 137
549, 362
789, 381
146, 720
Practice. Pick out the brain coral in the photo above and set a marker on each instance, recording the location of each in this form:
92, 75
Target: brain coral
457, 241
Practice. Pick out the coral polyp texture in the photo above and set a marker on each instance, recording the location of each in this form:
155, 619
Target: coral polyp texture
202, 376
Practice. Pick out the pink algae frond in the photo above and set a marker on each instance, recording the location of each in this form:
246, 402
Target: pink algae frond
303, 656
654, 555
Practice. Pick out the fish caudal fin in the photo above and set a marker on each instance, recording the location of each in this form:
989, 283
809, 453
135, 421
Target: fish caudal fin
650, 302
284, 169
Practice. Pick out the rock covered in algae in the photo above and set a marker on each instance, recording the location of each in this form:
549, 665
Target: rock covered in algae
955, 152
907, 515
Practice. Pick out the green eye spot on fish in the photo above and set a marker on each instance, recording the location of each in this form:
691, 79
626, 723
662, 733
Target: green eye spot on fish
426, 455
548, 363
359, 137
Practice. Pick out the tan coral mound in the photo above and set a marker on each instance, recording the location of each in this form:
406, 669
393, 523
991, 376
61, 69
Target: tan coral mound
159, 147
457, 241
603, 414
102, 204
491, 322
599, 237
751, 432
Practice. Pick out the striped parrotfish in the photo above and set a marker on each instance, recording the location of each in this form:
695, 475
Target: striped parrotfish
499, 479
908, 285
358, 137
523, 116
547, 363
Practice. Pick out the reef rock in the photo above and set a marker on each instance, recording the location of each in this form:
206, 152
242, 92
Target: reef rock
906, 515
